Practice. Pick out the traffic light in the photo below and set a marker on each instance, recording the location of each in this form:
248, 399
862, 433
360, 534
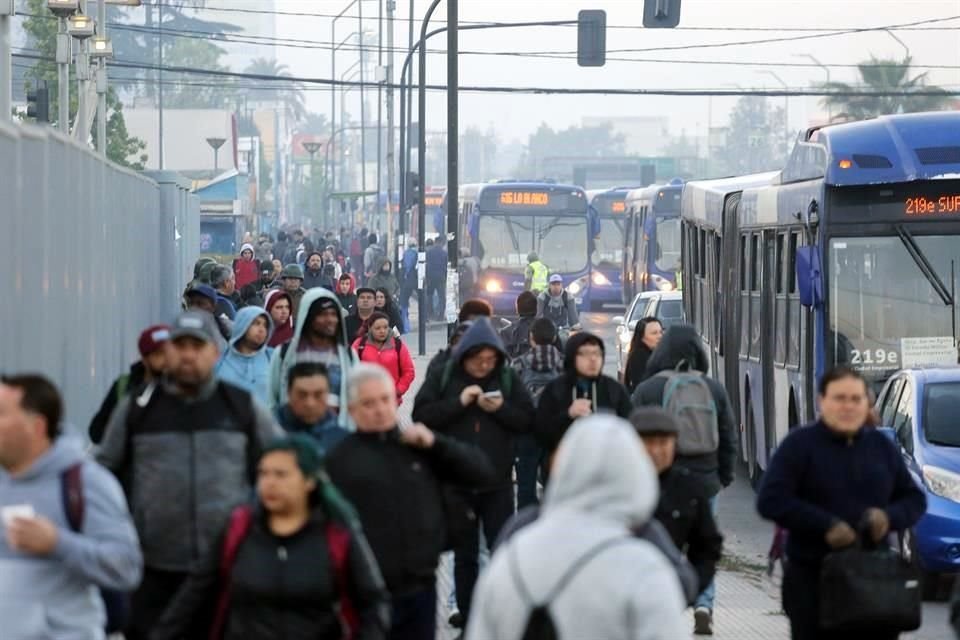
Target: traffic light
38, 104
413, 187
592, 38
661, 14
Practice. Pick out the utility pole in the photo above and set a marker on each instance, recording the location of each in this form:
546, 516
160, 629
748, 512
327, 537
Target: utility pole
160, 79
363, 113
453, 136
391, 149
80, 128
102, 84
7, 9
63, 76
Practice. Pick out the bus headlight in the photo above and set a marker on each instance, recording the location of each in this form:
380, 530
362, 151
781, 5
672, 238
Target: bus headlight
661, 283
600, 280
493, 286
574, 287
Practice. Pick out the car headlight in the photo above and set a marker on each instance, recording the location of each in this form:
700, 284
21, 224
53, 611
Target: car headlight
661, 283
574, 288
600, 279
941, 482
493, 286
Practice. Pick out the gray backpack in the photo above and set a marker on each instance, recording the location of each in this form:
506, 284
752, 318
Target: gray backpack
687, 397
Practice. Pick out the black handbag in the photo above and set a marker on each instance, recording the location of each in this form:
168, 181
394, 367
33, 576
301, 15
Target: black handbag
864, 589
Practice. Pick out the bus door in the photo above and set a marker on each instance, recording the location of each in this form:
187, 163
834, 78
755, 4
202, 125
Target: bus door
729, 304
768, 338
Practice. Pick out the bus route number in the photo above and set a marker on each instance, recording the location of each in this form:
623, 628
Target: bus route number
873, 357
525, 198
920, 205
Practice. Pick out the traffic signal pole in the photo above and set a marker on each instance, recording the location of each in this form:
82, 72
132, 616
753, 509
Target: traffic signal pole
6, 61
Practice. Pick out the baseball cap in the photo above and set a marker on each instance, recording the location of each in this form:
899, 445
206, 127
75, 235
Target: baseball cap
556, 278
195, 324
152, 339
648, 421
204, 290
360, 290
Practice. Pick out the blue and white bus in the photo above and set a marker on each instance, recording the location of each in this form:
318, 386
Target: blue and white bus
606, 257
502, 223
846, 256
651, 249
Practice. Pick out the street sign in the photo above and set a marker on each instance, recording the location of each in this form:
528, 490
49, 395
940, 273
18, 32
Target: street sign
592, 38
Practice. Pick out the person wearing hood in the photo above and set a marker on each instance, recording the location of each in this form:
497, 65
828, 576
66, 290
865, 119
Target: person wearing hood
681, 350
385, 278
477, 398
580, 560
150, 367
313, 274
279, 306
246, 268
319, 335
246, 364
646, 337
345, 294
581, 391
53, 558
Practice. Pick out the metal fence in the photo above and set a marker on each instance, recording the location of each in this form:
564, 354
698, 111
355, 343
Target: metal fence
90, 254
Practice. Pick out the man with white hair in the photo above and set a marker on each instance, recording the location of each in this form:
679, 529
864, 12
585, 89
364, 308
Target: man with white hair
393, 478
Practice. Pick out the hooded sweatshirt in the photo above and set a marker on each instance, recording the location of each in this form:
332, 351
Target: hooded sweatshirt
281, 334
56, 596
338, 361
438, 403
681, 345
250, 372
603, 486
385, 279
606, 395
247, 271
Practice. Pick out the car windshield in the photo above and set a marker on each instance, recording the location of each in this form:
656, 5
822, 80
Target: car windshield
559, 241
608, 246
668, 244
885, 313
940, 425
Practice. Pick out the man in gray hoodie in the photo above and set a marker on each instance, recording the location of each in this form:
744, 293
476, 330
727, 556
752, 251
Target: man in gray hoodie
50, 571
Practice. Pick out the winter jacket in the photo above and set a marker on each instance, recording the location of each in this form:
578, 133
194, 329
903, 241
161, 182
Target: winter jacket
636, 369
185, 463
246, 271
438, 402
516, 337
396, 491
250, 372
681, 344
436, 263
394, 356
282, 587
353, 324
131, 381
326, 433
562, 309
55, 596
409, 268
684, 509
818, 478
603, 488
281, 334
606, 395
386, 280
225, 307
347, 300
313, 279
338, 361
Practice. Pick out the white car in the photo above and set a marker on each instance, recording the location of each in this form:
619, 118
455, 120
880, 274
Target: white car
666, 306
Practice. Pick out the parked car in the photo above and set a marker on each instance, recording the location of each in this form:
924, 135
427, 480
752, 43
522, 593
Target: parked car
918, 409
666, 306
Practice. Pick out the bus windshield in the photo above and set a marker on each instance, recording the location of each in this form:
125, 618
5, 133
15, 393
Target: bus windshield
885, 313
559, 241
668, 244
608, 246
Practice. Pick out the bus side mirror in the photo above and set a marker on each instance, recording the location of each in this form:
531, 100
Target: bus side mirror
808, 276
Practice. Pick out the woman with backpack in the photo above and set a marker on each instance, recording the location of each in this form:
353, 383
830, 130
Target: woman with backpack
295, 562
376, 345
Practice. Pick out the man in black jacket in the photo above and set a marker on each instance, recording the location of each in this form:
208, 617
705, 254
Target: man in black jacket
393, 479
476, 397
681, 349
684, 506
581, 391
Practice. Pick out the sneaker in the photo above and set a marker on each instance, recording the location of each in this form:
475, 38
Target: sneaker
456, 619
703, 622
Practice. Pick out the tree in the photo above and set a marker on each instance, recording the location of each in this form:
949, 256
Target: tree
285, 92
756, 139
42, 31
877, 74
196, 92
314, 123
596, 142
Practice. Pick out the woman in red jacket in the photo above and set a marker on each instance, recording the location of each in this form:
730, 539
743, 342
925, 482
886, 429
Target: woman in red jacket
377, 345
246, 268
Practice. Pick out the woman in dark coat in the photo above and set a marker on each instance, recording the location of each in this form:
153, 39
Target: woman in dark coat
388, 307
294, 565
646, 337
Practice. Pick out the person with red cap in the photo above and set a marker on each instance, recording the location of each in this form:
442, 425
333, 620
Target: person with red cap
151, 366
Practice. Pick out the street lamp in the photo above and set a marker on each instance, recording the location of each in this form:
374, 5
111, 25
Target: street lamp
81, 27
62, 9
215, 144
312, 147
103, 51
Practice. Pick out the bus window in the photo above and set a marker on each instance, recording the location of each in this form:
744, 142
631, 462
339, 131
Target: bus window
782, 328
793, 302
744, 298
755, 311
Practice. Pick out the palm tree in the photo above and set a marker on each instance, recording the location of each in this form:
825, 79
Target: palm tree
884, 75
287, 92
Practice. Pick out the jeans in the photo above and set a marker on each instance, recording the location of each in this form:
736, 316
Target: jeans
484, 561
439, 287
709, 593
415, 616
528, 470
493, 509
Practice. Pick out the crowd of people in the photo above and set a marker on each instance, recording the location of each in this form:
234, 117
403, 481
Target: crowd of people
253, 476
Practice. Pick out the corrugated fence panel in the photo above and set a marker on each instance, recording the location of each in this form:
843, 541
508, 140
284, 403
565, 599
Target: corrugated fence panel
90, 257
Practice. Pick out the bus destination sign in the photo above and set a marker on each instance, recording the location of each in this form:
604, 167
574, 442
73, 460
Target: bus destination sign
931, 206
525, 198
433, 201
618, 206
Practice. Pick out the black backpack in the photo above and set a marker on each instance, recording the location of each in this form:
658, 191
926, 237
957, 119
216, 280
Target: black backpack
540, 625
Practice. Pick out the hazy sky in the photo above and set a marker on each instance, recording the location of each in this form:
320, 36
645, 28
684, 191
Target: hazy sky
515, 116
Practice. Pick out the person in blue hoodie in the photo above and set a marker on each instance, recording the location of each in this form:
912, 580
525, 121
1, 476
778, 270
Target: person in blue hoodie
246, 363
306, 410
50, 569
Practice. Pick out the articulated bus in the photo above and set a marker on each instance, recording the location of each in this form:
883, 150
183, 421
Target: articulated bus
606, 257
651, 249
847, 256
502, 223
